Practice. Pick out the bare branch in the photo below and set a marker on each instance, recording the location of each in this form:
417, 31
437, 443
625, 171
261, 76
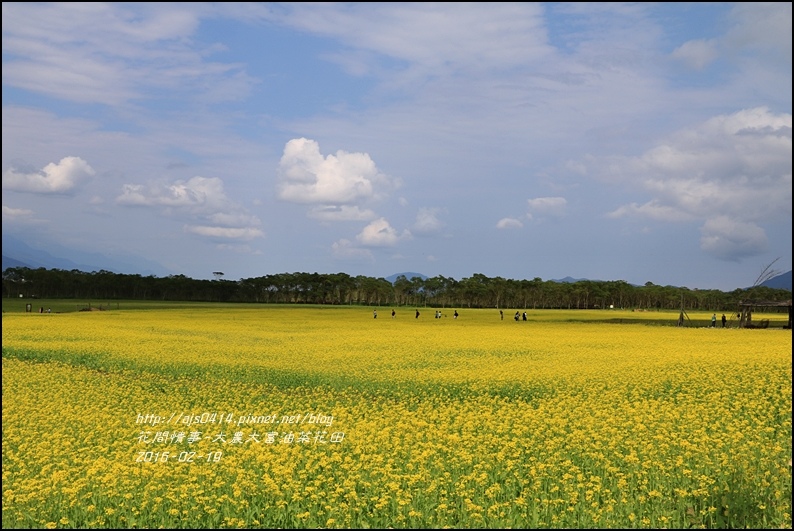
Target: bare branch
767, 274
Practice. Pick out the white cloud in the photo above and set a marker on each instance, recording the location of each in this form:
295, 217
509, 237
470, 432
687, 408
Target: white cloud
112, 53
16, 214
732, 240
509, 223
427, 222
733, 167
233, 219
195, 193
21, 217
697, 53
547, 206
763, 27
200, 199
651, 210
60, 178
341, 213
225, 233
342, 179
380, 233
479, 36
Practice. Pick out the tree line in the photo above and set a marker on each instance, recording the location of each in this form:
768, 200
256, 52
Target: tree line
476, 291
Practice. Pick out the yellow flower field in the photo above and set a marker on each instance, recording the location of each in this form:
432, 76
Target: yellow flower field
283, 416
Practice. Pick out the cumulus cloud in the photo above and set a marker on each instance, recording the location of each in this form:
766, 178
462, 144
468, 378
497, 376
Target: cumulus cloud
697, 53
342, 179
196, 193
380, 233
200, 199
546, 206
60, 178
427, 222
733, 167
509, 223
732, 240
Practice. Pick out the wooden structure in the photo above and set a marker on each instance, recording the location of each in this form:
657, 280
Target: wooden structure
746, 309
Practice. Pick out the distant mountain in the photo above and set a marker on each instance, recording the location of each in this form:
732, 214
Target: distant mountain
570, 280
17, 253
409, 276
779, 282
12, 262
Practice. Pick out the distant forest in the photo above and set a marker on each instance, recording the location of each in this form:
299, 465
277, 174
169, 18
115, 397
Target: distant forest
476, 291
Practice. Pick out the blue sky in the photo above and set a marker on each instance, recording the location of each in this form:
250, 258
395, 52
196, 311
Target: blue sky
638, 142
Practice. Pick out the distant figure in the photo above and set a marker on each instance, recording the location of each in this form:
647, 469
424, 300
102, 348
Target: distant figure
417, 314
714, 320
393, 313
681, 318
455, 315
724, 320
516, 316
501, 315
524, 316
49, 310
375, 314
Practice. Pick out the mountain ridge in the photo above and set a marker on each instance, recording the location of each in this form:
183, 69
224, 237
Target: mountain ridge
17, 253
408, 275
781, 281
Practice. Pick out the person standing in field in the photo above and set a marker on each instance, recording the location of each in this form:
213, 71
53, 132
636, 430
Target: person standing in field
455, 315
724, 320
714, 320
393, 313
501, 315
374, 314
524, 316
417, 314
